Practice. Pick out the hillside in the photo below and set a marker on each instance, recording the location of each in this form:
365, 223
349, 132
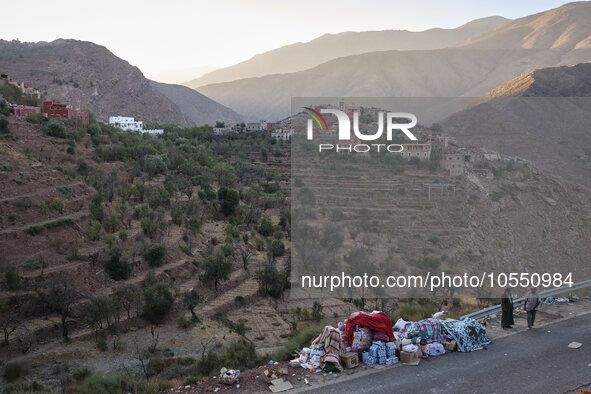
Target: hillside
542, 116
552, 38
126, 196
89, 76
197, 108
302, 56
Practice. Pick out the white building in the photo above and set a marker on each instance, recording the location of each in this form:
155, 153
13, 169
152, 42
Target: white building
126, 123
257, 126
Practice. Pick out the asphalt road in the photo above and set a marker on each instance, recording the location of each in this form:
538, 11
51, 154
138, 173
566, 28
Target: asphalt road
535, 361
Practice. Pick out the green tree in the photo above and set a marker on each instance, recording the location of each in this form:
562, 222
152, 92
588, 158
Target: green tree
190, 300
155, 255
158, 302
217, 268
4, 108
229, 200
271, 281
116, 267
61, 300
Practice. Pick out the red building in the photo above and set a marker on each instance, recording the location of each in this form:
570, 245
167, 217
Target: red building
63, 111
23, 112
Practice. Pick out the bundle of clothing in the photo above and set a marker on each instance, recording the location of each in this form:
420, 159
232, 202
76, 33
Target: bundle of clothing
469, 334
334, 346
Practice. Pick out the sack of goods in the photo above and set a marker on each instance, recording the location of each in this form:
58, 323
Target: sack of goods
433, 349
409, 348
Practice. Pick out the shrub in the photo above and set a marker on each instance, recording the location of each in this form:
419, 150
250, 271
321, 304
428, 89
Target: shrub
4, 108
158, 302
240, 328
38, 228
101, 344
95, 233
296, 342
37, 118
277, 248
266, 227
57, 205
101, 383
154, 255
416, 312
4, 126
13, 371
123, 235
317, 311
55, 128
81, 374
13, 280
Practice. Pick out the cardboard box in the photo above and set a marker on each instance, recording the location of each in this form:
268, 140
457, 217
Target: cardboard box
350, 360
411, 358
449, 346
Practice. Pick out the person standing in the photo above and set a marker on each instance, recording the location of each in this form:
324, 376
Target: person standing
507, 307
532, 304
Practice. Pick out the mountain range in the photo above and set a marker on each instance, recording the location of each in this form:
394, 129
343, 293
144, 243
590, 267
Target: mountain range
561, 36
91, 77
301, 56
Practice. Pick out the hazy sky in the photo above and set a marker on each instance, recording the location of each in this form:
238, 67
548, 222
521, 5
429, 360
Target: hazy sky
175, 40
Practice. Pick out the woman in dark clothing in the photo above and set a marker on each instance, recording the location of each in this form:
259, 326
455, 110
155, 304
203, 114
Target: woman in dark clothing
507, 307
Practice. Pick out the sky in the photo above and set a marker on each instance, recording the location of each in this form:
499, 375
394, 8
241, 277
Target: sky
177, 40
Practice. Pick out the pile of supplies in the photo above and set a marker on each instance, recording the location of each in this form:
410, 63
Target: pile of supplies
371, 336
381, 353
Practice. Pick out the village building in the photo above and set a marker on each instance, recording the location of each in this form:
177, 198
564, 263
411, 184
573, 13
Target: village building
257, 126
22, 111
52, 109
454, 163
420, 151
282, 134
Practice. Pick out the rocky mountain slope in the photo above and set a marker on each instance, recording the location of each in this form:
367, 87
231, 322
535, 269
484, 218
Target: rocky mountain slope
196, 107
542, 116
302, 56
91, 77
555, 37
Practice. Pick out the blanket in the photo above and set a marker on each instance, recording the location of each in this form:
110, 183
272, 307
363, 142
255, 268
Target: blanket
377, 321
431, 328
468, 334
334, 346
